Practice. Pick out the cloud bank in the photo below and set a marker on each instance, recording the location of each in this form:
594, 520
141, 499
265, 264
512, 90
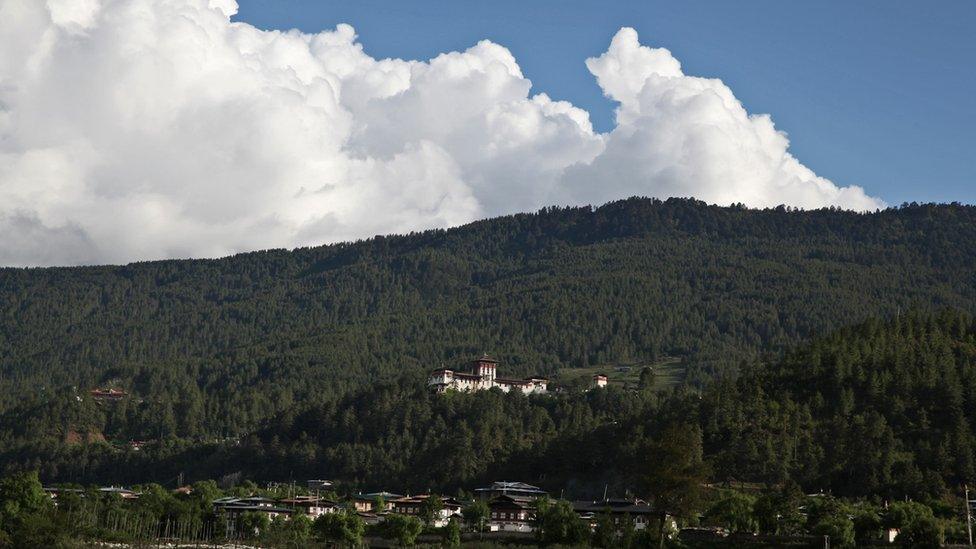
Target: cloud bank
146, 129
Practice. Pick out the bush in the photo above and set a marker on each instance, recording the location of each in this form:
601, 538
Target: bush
734, 512
921, 533
452, 534
402, 528
342, 528
839, 529
557, 522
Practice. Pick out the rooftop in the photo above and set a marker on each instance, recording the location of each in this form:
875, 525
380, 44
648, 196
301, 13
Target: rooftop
509, 486
634, 506
374, 495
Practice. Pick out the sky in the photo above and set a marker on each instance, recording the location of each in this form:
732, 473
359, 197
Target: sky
875, 93
152, 129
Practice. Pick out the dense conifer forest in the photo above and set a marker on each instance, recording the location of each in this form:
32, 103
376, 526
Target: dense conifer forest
883, 409
283, 364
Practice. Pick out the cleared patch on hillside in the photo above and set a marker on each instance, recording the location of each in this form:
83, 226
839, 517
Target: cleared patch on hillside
668, 373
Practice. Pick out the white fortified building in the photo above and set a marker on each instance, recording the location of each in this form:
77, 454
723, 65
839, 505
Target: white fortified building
482, 377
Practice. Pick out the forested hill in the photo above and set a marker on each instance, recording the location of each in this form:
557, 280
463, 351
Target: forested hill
883, 409
214, 347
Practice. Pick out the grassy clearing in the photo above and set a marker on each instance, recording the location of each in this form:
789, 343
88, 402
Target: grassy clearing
669, 373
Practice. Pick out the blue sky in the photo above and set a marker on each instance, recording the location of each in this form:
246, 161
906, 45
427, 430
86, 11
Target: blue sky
876, 94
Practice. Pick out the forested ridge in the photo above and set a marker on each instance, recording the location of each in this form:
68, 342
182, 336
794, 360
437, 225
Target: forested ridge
883, 409
215, 349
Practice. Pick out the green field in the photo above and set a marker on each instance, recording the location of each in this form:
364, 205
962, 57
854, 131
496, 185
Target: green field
669, 372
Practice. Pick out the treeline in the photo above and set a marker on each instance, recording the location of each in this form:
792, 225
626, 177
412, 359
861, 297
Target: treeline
785, 517
81, 516
210, 349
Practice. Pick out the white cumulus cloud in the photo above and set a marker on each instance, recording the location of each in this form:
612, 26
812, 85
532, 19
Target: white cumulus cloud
142, 129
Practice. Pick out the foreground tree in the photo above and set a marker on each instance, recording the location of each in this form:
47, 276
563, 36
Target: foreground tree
605, 534
345, 529
867, 524
476, 515
430, 509
674, 473
777, 510
24, 511
734, 512
289, 532
252, 524
557, 523
452, 534
917, 523
21, 494
401, 528
838, 529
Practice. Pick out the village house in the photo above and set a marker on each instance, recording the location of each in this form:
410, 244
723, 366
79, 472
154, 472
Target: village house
232, 508
482, 376
250, 501
636, 510
123, 493
55, 493
372, 519
507, 488
312, 506
599, 381
412, 505
510, 513
318, 485
511, 505
366, 503
107, 395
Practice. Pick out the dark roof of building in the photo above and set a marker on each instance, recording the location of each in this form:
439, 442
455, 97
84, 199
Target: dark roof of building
506, 381
420, 498
513, 502
311, 501
373, 495
259, 508
486, 358
258, 499
504, 485
633, 507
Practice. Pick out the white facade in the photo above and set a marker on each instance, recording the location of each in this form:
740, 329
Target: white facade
511, 514
312, 506
510, 526
412, 506
482, 377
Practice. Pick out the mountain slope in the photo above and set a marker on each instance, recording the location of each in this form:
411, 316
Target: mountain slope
213, 347
881, 409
